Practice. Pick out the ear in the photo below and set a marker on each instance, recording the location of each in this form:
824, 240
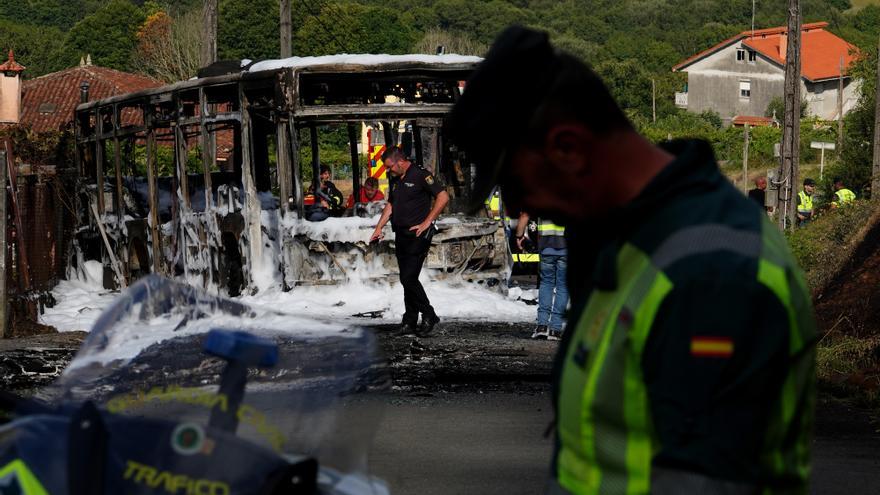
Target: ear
567, 145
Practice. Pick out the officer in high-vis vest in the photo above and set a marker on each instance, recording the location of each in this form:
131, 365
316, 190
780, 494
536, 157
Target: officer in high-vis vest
552, 291
805, 202
842, 195
687, 364
493, 205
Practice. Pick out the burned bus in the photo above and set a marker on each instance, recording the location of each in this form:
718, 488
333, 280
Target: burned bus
209, 179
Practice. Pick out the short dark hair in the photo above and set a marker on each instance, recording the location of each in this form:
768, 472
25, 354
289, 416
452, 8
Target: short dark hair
326, 168
837, 180
394, 153
522, 88
372, 182
577, 93
809, 182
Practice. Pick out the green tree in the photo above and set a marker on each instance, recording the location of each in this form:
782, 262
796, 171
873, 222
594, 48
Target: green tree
39, 48
479, 19
61, 14
109, 35
776, 108
587, 51
354, 28
248, 29
629, 83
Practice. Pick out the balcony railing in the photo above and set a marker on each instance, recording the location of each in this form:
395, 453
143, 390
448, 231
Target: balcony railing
681, 99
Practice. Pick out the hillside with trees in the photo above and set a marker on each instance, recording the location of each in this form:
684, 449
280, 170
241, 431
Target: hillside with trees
632, 44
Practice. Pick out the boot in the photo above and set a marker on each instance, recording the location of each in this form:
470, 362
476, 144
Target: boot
541, 333
429, 322
408, 325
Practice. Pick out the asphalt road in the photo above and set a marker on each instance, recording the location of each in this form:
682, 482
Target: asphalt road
846, 450
492, 443
464, 443
469, 408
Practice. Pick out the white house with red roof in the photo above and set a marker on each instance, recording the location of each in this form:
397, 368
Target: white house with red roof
740, 76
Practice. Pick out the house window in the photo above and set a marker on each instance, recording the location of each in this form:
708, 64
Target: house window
740, 55
745, 89
753, 56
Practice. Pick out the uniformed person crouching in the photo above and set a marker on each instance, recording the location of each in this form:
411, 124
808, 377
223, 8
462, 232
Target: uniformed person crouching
409, 207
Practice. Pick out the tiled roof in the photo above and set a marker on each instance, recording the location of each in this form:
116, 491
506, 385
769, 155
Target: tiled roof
752, 120
48, 101
821, 50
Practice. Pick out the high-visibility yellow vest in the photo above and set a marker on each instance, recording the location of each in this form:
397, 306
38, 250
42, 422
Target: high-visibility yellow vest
377, 168
805, 203
605, 431
551, 235
27, 482
844, 196
493, 203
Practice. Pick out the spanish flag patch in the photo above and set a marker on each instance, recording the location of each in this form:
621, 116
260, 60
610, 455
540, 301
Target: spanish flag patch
702, 346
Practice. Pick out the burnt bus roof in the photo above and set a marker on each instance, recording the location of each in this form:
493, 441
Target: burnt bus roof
331, 64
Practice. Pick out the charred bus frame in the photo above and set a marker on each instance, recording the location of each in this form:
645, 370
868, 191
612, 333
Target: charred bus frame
204, 217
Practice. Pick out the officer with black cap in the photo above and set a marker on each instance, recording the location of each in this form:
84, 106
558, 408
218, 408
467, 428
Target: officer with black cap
687, 365
412, 216
805, 202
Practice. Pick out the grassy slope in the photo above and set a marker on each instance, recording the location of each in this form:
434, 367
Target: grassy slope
857, 4
846, 364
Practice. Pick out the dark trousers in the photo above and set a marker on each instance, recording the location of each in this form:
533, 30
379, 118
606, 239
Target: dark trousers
411, 252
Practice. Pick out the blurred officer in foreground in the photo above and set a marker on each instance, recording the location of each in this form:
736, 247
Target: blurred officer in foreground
687, 365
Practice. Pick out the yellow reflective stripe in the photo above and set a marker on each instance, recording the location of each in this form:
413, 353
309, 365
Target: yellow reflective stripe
578, 469
573, 471
639, 444
588, 433
778, 271
29, 483
773, 277
569, 480
526, 257
545, 227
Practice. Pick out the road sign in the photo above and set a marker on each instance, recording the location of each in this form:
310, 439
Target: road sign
821, 145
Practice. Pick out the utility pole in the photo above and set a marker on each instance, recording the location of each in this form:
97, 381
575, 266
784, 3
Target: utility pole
875, 174
209, 33
791, 121
746, 159
286, 37
4, 251
654, 100
840, 109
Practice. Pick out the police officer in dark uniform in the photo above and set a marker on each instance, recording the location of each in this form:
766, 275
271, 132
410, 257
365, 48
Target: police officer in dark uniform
688, 363
409, 208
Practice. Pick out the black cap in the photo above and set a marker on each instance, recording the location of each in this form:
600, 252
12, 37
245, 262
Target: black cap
809, 182
499, 100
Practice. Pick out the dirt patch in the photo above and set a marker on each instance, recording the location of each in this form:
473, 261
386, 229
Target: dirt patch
849, 303
457, 356
29, 363
467, 355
